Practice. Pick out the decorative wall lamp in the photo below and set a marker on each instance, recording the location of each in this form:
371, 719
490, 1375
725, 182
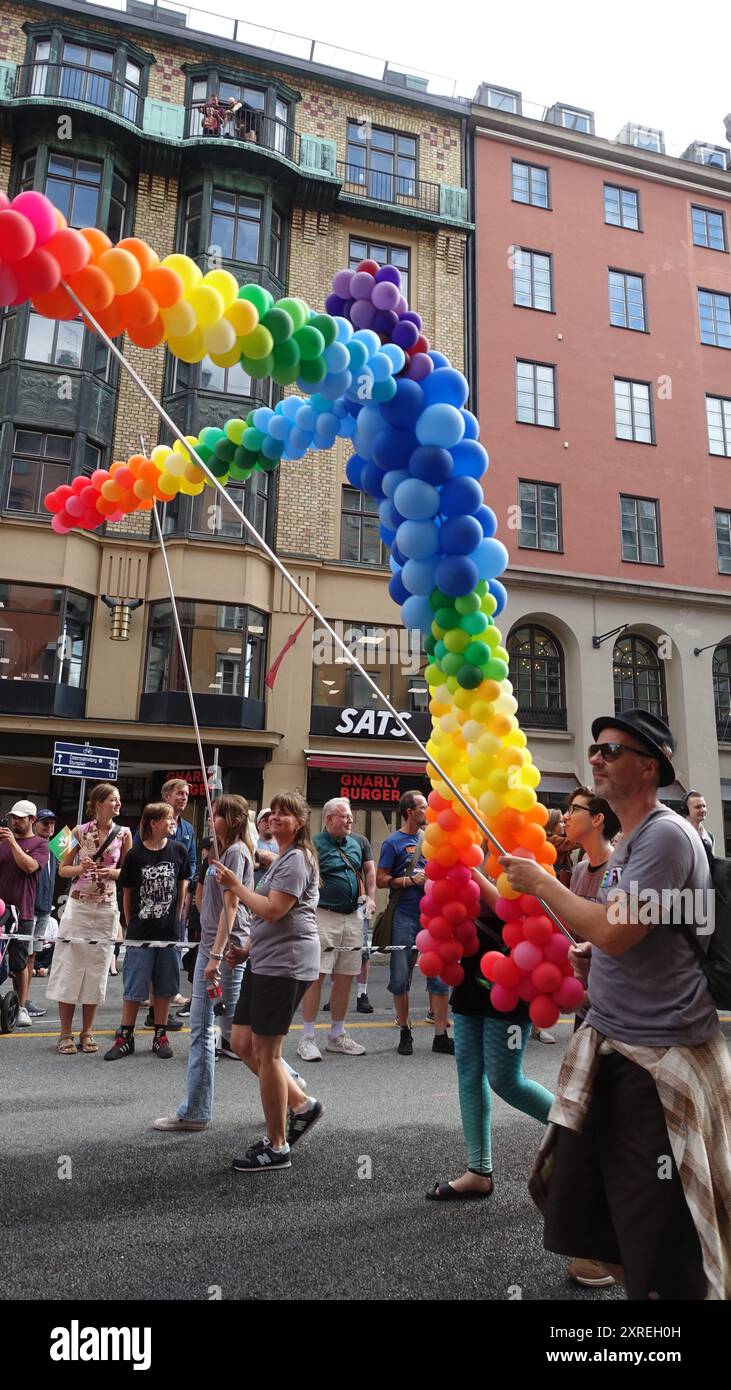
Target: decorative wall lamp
596, 641
120, 612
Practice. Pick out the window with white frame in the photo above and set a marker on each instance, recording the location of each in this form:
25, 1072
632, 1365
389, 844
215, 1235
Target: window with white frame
633, 411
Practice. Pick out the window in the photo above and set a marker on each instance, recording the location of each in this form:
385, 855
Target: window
530, 184
633, 411
718, 416
86, 74
571, 118
39, 73
384, 255
117, 208
235, 226
383, 162
360, 540
535, 394
714, 311
709, 228
192, 224
723, 541
540, 515
389, 657
131, 91
74, 187
722, 691
638, 677
209, 516
45, 634
501, 99
627, 300
40, 463
641, 530
536, 673
59, 343
275, 244
249, 121
225, 645
532, 280
621, 207
281, 126
27, 174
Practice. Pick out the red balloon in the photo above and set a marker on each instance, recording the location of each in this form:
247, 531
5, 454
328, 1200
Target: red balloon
39, 273
57, 305
450, 950
502, 999
539, 930
451, 974
569, 994
488, 963
425, 941
17, 236
472, 946
421, 345
546, 978
434, 870
513, 933
430, 963
530, 905
70, 248
557, 948
464, 931
527, 990
508, 909
370, 266
442, 892
543, 1011
507, 973
440, 928
460, 875
454, 912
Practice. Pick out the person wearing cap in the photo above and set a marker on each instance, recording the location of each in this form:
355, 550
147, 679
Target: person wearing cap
267, 849
635, 1170
44, 825
23, 855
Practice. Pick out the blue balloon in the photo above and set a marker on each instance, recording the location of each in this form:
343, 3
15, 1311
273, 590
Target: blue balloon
381, 366
337, 357
398, 555
347, 427
272, 448
418, 576
431, 465
447, 386
417, 501
498, 592
335, 385
327, 424
357, 354
460, 535
441, 425
393, 564
405, 407
470, 459
456, 575
372, 480
461, 497
354, 469
369, 425
370, 339
279, 427
393, 448
397, 589
419, 539
299, 439
395, 355
344, 329
306, 417
389, 516
417, 613
439, 359
487, 520
261, 418
392, 479
353, 407
491, 558
290, 406
471, 425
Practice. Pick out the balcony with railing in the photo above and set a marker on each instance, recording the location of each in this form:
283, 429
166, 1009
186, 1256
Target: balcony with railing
379, 186
242, 126
87, 86
536, 717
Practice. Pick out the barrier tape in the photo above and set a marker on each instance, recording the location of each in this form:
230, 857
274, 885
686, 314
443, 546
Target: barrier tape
179, 945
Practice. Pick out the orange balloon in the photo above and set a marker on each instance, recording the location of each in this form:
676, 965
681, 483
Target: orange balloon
106, 506
164, 284
463, 840
447, 856
138, 308
70, 248
537, 815
56, 305
98, 241
434, 835
109, 319
533, 837
111, 492
122, 268
94, 288
493, 867
507, 821
472, 857
150, 336
135, 463
547, 855
143, 253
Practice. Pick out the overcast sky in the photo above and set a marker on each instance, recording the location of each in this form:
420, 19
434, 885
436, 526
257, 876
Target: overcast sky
663, 65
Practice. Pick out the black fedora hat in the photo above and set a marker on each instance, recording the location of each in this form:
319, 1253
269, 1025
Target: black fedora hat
651, 731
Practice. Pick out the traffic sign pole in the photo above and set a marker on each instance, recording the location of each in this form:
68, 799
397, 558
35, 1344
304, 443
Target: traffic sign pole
82, 795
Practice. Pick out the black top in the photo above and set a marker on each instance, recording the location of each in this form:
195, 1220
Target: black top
153, 876
472, 998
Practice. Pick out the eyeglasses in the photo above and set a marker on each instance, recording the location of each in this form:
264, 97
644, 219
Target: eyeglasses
576, 807
609, 752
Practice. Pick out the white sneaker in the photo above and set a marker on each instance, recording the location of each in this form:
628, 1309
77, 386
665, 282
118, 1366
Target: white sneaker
175, 1122
308, 1050
23, 1019
346, 1045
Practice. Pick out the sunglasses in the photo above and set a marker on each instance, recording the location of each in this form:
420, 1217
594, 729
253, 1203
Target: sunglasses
609, 752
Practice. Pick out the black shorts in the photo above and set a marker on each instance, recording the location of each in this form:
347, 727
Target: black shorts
267, 1003
609, 1198
18, 950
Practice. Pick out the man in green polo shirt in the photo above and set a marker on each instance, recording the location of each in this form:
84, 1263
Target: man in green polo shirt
343, 874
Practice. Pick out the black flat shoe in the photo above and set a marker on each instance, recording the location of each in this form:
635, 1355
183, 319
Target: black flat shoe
444, 1192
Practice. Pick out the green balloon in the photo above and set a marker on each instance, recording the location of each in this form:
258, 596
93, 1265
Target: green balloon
429, 644
313, 372
433, 675
452, 663
280, 325
440, 651
325, 325
474, 623
481, 587
218, 467
287, 354
311, 343
495, 669
225, 451
211, 435
253, 440
250, 417
262, 367
296, 310
242, 458
439, 600
234, 430
285, 376
467, 603
203, 451
446, 618
240, 474
267, 465
477, 654
469, 677
259, 297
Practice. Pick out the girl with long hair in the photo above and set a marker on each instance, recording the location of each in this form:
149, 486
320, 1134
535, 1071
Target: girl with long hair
284, 959
80, 971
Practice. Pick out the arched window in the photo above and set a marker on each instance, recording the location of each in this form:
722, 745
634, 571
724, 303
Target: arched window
536, 673
638, 677
722, 691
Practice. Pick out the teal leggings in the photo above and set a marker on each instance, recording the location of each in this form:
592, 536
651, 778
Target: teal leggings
487, 1057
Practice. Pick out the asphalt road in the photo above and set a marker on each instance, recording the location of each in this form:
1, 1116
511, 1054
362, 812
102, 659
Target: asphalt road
96, 1204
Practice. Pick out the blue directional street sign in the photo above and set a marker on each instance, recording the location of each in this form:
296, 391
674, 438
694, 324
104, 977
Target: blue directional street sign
85, 760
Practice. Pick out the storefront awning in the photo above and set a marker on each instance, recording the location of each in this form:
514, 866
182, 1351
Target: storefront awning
558, 782
340, 762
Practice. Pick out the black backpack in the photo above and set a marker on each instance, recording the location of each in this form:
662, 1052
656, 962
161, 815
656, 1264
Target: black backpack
716, 961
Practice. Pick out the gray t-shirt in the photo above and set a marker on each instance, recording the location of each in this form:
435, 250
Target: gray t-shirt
236, 857
656, 993
291, 946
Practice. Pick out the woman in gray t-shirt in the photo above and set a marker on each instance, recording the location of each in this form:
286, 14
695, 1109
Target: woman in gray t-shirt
284, 959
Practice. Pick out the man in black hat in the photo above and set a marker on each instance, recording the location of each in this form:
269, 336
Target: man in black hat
615, 1193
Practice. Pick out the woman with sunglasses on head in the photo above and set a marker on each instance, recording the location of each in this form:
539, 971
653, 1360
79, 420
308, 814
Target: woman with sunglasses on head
284, 959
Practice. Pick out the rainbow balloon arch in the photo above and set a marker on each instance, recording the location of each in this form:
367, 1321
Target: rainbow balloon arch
366, 373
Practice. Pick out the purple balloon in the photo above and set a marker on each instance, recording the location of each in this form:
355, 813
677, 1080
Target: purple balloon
347, 306
385, 295
361, 285
411, 317
419, 367
402, 306
385, 321
406, 335
389, 274
341, 283
334, 305
362, 313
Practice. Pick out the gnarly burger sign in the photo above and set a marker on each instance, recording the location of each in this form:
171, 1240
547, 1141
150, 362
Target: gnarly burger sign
363, 786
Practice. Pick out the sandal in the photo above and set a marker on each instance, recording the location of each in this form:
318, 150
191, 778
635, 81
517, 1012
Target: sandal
66, 1045
86, 1043
444, 1192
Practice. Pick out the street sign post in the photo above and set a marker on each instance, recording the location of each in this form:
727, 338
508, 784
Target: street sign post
85, 760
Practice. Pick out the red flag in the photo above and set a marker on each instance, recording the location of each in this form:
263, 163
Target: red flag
273, 671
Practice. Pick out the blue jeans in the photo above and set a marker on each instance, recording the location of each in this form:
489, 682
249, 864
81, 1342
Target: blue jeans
202, 1057
404, 932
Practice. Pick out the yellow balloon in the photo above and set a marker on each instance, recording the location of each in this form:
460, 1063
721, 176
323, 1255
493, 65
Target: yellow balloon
456, 640
510, 757
227, 359
498, 781
243, 315
463, 698
189, 272
521, 798
490, 804
180, 320
190, 348
481, 711
479, 765
224, 283
207, 305
160, 454
168, 484
531, 776
221, 337
504, 889
491, 638
516, 739
489, 743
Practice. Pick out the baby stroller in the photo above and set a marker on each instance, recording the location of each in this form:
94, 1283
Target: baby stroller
9, 1004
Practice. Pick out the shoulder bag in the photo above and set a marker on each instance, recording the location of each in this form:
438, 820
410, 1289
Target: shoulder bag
383, 923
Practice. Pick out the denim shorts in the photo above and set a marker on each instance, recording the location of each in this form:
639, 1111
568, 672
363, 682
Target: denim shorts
403, 933
146, 968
